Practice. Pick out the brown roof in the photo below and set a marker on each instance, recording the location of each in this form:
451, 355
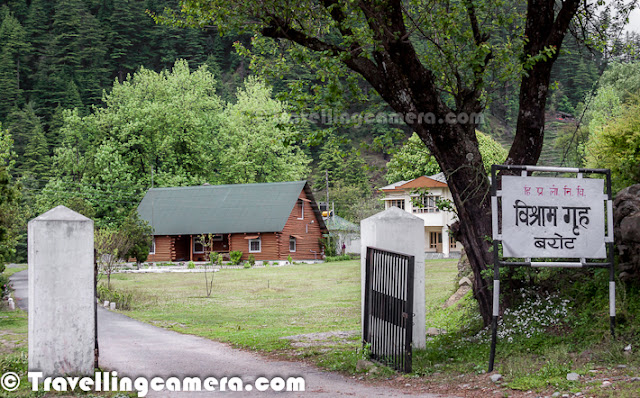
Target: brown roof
422, 182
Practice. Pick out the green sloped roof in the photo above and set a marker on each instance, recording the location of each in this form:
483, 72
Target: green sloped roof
220, 209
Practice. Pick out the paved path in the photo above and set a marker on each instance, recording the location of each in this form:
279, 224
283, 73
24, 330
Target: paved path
133, 348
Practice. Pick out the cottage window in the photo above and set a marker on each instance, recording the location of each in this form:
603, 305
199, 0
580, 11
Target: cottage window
152, 249
255, 245
399, 203
292, 244
198, 245
300, 209
426, 204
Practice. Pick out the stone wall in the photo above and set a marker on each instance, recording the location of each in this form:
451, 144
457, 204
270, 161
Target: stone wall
626, 218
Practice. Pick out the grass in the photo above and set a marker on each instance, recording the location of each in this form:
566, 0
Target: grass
255, 308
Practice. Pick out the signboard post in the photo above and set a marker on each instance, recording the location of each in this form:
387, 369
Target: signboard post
551, 218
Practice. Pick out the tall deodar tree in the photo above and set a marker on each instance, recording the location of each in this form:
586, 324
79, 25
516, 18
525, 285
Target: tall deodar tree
425, 57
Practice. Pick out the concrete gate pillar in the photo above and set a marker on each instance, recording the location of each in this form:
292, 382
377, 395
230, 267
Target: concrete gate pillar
399, 231
61, 293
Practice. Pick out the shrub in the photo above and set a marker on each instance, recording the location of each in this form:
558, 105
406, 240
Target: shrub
121, 298
252, 260
191, 265
345, 257
220, 258
235, 257
213, 257
266, 263
4, 285
247, 265
290, 259
2, 268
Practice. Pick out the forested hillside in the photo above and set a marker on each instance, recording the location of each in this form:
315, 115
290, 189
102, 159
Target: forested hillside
101, 103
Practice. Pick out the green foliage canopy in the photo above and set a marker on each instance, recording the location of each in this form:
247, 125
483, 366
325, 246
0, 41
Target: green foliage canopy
414, 159
172, 128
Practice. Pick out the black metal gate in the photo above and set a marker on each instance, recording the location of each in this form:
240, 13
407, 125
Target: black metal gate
388, 308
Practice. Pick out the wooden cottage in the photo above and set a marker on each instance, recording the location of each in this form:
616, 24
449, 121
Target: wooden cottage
271, 221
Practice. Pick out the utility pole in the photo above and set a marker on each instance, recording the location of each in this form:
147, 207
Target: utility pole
326, 178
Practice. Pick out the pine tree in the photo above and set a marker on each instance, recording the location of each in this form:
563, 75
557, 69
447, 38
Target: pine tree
36, 155
79, 48
9, 86
14, 49
24, 123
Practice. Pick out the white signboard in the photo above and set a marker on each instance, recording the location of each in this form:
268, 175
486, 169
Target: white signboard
553, 217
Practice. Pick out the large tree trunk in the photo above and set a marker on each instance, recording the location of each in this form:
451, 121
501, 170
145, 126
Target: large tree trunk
456, 149
395, 71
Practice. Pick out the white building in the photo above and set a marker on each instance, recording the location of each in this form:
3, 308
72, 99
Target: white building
419, 197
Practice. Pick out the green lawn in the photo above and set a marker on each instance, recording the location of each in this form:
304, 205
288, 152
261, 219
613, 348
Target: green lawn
255, 307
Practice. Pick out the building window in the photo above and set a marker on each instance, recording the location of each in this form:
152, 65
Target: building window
198, 245
152, 249
255, 245
426, 204
300, 206
292, 244
399, 203
452, 242
216, 238
435, 238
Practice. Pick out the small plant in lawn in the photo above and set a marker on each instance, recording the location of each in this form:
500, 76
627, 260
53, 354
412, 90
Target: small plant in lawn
235, 257
121, 298
191, 265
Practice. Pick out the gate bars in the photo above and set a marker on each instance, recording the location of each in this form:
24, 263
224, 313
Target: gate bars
388, 307
497, 238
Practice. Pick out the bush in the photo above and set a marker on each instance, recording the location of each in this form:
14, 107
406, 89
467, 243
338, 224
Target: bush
344, 257
290, 259
266, 263
4, 285
2, 268
247, 265
122, 299
235, 257
191, 265
213, 257
252, 260
220, 259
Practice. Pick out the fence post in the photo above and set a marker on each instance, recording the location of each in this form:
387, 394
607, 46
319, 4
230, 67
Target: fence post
61, 293
399, 231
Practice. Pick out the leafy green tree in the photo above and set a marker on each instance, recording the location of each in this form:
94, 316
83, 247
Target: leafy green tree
253, 136
614, 145
170, 129
424, 58
140, 234
411, 161
414, 159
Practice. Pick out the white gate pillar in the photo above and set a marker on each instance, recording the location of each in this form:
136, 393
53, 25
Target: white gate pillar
399, 231
61, 293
